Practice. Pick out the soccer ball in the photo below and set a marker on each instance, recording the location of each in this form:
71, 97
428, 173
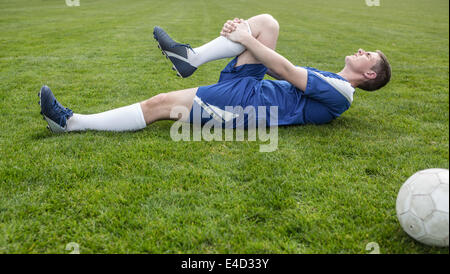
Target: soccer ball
422, 206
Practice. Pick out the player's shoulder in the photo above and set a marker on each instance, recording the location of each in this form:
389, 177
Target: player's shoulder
326, 74
332, 80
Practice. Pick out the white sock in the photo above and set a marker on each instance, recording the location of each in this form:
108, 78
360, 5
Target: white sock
219, 48
128, 118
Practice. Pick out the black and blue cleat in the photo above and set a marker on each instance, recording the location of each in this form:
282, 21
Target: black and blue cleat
53, 112
177, 53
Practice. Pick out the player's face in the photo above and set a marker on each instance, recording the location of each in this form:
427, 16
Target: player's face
362, 61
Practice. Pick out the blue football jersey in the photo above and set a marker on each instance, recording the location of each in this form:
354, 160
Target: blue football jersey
327, 96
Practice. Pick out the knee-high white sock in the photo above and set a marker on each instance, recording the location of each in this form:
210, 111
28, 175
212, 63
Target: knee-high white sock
219, 48
126, 118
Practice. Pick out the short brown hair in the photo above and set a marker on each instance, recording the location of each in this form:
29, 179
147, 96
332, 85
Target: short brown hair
383, 70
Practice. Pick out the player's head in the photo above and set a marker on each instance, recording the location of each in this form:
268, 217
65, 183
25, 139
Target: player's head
372, 67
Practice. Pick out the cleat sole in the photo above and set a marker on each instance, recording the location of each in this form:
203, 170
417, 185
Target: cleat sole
167, 57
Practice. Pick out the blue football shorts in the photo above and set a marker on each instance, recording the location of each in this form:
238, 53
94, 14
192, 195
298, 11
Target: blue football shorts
233, 101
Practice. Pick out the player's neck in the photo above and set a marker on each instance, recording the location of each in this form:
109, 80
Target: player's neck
350, 76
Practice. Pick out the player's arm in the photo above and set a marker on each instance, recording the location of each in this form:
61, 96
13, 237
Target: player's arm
274, 75
276, 63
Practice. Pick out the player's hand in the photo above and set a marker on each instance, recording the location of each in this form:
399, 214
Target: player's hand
230, 26
240, 32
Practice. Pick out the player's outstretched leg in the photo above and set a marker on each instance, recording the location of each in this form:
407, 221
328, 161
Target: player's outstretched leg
128, 118
61, 119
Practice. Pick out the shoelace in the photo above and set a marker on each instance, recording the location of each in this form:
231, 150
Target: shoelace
183, 45
64, 112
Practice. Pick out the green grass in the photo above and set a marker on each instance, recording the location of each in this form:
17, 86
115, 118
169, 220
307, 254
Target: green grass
327, 189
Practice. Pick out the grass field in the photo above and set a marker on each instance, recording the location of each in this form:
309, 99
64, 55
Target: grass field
327, 189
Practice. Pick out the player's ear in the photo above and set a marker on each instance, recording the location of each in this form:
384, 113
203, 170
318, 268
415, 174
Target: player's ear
370, 75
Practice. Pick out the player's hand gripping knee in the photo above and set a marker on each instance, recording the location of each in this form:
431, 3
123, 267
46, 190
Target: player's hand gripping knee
230, 26
235, 31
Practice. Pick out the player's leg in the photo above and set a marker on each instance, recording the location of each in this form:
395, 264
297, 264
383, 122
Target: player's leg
129, 118
186, 60
265, 29
160, 106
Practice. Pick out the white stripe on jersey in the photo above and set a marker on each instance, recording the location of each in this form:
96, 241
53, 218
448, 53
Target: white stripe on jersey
342, 86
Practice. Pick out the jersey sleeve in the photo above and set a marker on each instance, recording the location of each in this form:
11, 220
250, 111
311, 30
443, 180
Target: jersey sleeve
321, 90
317, 113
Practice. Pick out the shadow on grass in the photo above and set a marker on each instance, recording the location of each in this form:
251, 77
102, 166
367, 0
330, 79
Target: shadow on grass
161, 129
341, 125
41, 135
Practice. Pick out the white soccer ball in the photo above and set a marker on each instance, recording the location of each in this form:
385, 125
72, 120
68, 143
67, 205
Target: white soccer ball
422, 206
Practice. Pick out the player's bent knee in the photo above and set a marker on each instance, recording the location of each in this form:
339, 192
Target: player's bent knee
273, 25
270, 22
